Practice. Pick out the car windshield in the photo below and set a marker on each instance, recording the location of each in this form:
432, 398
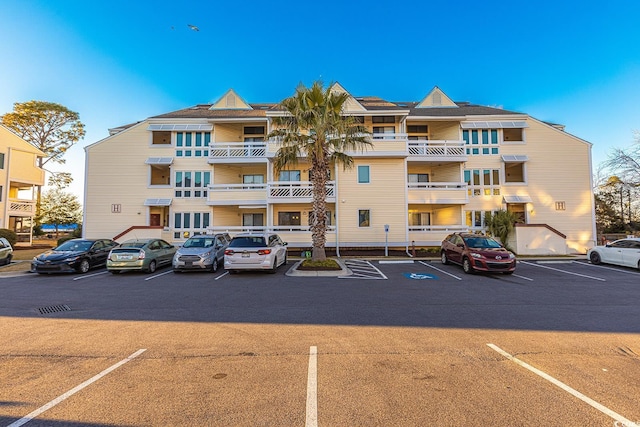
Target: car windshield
198, 243
247, 242
133, 244
75, 246
482, 243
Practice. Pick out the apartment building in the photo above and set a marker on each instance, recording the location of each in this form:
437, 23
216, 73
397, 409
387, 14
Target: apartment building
436, 166
20, 177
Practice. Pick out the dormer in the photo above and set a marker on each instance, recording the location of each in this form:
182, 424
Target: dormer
436, 99
230, 101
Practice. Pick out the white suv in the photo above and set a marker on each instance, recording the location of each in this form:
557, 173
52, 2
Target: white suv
260, 251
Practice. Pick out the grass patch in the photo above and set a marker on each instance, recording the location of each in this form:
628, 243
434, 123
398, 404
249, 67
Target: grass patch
326, 265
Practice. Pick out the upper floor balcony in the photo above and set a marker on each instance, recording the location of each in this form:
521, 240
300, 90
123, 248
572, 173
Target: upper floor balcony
437, 150
271, 192
437, 193
237, 152
22, 208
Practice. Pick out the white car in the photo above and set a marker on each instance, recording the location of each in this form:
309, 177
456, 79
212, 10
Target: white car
624, 252
260, 251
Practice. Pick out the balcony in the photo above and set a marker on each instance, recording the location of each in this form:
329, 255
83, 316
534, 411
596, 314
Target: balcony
276, 192
297, 236
22, 208
437, 193
297, 192
237, 194
237, 152
437, 151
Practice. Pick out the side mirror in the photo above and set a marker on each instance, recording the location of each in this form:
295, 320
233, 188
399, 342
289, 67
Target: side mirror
285, 243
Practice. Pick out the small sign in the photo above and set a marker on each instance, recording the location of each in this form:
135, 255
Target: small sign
420, 276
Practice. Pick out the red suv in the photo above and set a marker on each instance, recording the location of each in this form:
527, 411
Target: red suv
475, 252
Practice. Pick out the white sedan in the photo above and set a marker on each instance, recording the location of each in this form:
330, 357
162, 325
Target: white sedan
260, 251
624, 252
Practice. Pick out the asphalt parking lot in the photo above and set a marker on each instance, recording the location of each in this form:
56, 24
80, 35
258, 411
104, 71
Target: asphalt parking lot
396, 343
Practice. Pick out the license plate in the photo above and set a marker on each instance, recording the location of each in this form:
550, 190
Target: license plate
246, 255
125, 257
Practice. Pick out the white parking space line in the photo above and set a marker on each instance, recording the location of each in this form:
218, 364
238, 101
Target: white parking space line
563, 271
86, 276
619, 418
74, 390
605, 267
312, 389
396, 262
222, 275
440, 270
158, 275
522, 277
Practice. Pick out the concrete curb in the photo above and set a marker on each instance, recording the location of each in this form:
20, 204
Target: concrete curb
343, 272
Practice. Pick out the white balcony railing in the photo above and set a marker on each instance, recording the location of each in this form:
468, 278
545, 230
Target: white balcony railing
437, 186
237, 150
389, 136
22, 207
236, 187
439, 228
437, 148
297, 190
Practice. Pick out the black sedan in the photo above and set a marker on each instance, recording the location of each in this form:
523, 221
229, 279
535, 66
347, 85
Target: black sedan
76, 255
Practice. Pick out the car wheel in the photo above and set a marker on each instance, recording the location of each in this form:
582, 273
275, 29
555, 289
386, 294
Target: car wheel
443, 258
7, 261
595, 258
466, 266
285, 259
84, 266
274, 267
214, 265
152, 267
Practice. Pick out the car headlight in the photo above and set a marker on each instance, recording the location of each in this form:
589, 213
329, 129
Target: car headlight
71, 259
476, 255
204, 255
511, 256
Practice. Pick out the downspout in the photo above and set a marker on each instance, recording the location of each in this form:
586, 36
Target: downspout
335, 190
406, 212
84, 201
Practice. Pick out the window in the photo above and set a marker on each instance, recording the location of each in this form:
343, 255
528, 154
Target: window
1, 192
161, 138
383, 119
561, 206
192, 183
477, 219
418, 132
363, 174
481, 141
380, 131
419, 218
254, 130
288, 218
289, 176
514, 172
193, 144
253, 220
364, 216
482, 182
197, 222
252, 179
418, 177
1, 160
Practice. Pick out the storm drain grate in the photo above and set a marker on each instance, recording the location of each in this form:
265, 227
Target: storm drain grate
54, 309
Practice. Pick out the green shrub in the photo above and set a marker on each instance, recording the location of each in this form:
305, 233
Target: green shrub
63, 239
10, 235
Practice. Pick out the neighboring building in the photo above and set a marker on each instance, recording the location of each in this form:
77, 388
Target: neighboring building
436, 166
20, 177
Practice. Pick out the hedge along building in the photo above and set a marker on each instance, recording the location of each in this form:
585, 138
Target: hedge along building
436, 166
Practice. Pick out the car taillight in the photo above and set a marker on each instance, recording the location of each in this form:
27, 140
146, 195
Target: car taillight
228, 252
142, 255
264, 251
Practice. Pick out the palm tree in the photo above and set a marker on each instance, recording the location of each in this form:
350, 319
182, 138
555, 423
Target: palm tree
501, 224
315, 128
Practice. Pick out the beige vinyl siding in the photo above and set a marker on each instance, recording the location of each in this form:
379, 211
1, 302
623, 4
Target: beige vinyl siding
119, 176
444, 131
228, 132
558, 170
230, 216
384, 196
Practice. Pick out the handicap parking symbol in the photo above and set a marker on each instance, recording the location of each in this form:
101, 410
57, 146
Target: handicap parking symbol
419, 276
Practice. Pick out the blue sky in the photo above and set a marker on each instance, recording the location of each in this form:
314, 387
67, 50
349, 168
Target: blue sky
119, 62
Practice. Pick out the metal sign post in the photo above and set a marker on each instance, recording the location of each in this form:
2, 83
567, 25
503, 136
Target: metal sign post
386, 240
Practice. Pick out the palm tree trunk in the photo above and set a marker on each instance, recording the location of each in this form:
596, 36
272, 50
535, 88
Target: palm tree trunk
319, 223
